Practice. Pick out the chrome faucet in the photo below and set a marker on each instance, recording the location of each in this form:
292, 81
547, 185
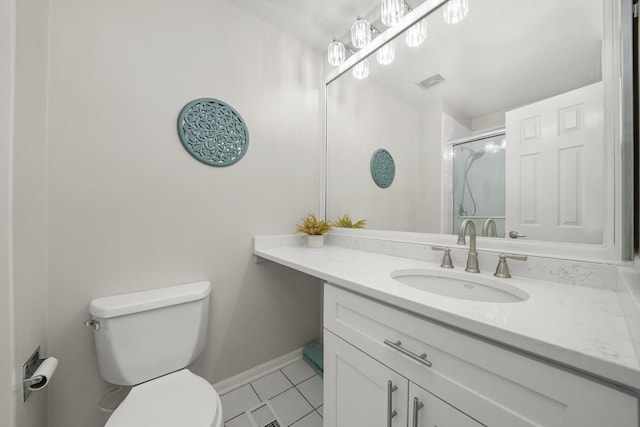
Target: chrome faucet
472, 259
489, 228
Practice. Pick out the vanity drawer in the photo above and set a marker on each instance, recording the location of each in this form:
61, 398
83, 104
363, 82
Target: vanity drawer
491, 384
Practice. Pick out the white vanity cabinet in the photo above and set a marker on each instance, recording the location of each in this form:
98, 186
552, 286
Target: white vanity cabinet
459, 379
367, 393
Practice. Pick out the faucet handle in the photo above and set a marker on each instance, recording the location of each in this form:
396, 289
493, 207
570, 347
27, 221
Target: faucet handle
503, 269
446, 259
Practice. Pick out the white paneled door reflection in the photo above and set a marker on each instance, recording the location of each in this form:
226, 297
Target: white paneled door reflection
555, 167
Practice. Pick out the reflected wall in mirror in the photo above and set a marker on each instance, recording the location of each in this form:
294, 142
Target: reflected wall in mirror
533, 69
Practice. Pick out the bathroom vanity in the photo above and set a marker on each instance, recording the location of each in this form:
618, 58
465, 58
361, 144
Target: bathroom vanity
399, 355
408, 343
430, 374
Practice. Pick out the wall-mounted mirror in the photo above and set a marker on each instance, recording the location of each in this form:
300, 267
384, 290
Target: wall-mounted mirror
504, 116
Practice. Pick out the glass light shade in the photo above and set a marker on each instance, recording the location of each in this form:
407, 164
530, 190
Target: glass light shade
361, 70
416, 34
455, 11
336, 53
360, 33
391, 11
386, 54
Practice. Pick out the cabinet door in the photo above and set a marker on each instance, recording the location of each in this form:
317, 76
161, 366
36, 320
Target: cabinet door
356, 388
426, 410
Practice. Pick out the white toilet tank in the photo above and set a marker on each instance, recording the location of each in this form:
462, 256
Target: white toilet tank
144, 335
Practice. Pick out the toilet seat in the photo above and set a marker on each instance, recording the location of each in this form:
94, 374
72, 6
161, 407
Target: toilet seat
178, 399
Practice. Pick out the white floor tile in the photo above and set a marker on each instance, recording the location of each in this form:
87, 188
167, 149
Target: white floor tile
290, 406
311, 389
239, 421
237, 401
298, 371
321, 411
311, 420
271, 385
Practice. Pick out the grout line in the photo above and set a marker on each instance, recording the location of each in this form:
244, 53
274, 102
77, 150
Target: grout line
305, 398
237, 416
255, 392
313, 410
285, 375
282, 392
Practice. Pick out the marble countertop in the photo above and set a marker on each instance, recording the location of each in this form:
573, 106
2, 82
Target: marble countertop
581, 327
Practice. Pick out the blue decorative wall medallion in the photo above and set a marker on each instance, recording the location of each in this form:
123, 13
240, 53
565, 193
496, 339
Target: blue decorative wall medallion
383, 169
213, 132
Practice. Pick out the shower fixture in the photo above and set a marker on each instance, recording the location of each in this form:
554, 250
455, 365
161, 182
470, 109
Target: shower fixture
473, 156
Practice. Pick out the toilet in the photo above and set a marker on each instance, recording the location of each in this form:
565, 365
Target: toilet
147, 340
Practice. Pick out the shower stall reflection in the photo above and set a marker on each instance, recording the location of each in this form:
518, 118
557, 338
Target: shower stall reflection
479, 184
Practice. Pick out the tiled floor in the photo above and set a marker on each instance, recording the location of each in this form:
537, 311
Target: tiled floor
293, 392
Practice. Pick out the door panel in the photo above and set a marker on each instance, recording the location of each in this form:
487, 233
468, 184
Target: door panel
555, 167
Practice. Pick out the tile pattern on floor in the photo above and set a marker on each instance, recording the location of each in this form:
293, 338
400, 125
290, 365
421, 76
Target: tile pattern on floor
294, 393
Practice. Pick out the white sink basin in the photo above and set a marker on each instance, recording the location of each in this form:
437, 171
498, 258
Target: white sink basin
460, 285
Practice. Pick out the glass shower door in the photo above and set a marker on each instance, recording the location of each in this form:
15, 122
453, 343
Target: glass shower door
479, 183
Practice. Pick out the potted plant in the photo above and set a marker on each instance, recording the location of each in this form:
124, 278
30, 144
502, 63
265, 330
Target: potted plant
314, 229
346, 222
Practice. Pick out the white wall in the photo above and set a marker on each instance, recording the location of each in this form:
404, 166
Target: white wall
29, 210
7, 45
428, 196
130, 209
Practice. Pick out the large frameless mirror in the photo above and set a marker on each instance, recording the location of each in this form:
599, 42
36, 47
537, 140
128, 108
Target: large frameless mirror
506, 117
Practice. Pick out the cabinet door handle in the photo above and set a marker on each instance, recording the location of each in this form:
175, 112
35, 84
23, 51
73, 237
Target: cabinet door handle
390, 412
417, 405
397, 345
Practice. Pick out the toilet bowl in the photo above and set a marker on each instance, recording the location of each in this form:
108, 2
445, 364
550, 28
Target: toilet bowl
178, 399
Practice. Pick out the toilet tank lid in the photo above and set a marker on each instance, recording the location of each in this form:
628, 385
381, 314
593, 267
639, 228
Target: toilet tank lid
121, 305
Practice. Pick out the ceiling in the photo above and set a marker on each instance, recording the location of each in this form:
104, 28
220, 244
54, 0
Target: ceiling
314, 22
505, 53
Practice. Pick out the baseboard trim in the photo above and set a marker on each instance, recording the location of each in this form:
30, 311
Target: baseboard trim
253, 374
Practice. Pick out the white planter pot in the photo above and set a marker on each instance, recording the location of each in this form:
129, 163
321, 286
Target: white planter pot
315, 241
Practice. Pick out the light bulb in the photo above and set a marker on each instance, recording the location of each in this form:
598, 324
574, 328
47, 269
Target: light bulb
336, 53
416, 34
391, 11
361, 70
360, 33
455, 11
386, 54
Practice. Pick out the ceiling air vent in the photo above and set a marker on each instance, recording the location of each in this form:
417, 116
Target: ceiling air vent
430, 82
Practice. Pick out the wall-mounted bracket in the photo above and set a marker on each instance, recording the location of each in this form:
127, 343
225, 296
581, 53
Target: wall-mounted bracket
28, 369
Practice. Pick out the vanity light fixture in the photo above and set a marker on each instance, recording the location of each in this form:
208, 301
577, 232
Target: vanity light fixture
455, 11
492, 147
360, 33
361, 70
416, 34
392, 11
386, 53
336, 53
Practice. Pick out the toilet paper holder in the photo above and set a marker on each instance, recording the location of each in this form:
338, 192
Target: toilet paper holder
33, 380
